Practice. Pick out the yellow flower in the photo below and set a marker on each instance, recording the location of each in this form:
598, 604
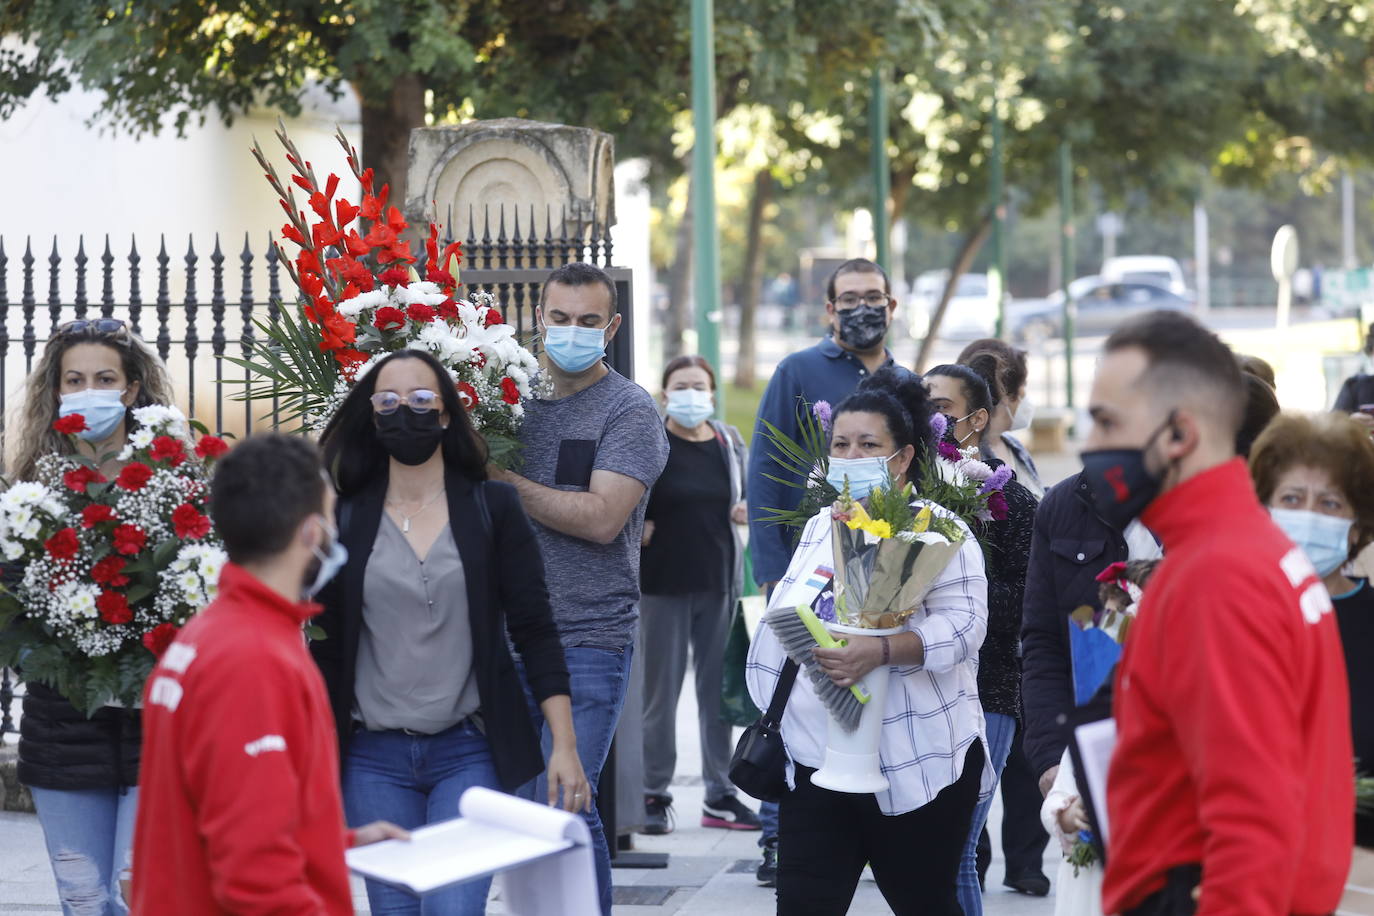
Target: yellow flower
922, 523
879, 527
858, 517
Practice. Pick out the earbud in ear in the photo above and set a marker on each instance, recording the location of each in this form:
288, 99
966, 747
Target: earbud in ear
1177, 434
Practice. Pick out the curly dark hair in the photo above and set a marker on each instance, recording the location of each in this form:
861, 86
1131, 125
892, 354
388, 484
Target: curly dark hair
902, 400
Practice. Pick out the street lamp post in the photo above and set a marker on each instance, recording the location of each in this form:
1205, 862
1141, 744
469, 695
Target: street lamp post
1066, 247
706, 267
882, 172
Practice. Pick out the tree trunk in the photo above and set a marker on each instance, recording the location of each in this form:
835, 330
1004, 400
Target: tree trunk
751, 282
387, 122
967, 252
679, 284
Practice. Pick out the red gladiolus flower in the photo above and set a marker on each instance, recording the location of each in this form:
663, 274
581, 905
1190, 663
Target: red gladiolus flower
63, 545
77, 479
468, 395
114, 608
492, 317
389, 318
324, 235
159, 638
366, 180
420, 312
95, 514
394, 276
168, 449
188, 523
344, 212
291, 233
211, 447
110, 571
350, 360
510, 392
129, 539
134, 476
70, 425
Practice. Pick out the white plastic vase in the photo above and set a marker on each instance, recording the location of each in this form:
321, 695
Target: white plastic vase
851, 758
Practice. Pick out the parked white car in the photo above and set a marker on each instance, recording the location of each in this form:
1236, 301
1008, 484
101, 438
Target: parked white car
972, 311
1146, 268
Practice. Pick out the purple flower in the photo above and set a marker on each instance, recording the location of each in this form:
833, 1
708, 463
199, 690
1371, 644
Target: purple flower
821, 410
997, 505
948, 450
938, 425
997, 481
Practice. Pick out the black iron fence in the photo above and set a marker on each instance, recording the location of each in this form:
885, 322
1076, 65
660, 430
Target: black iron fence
195, 308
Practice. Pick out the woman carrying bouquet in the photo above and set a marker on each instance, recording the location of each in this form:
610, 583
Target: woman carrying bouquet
931, 747
83, 771
964, 393
442, 568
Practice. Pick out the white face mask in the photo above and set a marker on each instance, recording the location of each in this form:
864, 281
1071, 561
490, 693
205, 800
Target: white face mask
1022, 417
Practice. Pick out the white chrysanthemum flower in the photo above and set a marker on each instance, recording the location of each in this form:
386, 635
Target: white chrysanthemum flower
141, 438
25, 493
80, 599
422, 293
53, 506
13, 550
31, 530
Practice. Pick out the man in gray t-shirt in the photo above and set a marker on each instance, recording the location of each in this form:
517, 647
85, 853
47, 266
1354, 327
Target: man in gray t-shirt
593, 450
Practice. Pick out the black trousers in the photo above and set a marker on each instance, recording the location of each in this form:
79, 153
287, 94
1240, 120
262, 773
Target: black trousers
1023, 836
826, 838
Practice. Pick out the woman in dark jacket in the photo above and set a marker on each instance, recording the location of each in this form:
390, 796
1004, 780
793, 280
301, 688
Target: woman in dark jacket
965, 396
83, 771
442, 567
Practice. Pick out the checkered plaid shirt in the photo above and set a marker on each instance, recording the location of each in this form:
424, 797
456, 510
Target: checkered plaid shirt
932, 714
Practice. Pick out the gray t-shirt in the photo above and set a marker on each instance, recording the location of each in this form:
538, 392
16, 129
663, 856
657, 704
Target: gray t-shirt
610, 426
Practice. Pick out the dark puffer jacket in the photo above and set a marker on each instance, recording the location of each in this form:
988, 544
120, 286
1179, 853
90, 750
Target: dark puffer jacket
59, 748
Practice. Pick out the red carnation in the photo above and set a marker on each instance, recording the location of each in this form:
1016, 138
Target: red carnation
479, 360
110, 571
997, 505
448, 309
189, 523
510, 392
211, 447
129, 539
159, 638
63, 545
134, 476
394, 276
492, 317
1112, 573
168, 449
77, 479
389, 318
468, 395
420, 312
113, 608
70, 425
95, 514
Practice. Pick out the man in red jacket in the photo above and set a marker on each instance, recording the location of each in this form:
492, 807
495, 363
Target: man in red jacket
1231, 790
240, 810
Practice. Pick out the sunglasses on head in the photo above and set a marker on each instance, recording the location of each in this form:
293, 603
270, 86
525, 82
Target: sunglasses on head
114, 327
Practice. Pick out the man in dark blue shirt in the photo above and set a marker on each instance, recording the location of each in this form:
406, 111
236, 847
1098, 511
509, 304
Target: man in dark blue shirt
860, 306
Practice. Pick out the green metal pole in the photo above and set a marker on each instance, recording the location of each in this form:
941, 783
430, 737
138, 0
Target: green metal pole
997, 270
882, 171
1066, 241
706, 266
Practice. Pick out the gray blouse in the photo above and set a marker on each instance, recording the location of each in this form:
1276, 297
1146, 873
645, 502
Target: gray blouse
415, 653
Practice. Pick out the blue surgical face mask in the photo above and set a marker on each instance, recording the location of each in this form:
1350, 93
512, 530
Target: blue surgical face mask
863, 474
330, 562
574, 349
101, 408
690, 406
1324, 538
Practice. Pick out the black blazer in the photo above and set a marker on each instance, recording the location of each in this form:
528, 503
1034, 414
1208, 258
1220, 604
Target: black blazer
504, 570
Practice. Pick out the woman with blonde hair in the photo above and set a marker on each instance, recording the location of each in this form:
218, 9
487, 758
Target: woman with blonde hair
83, 772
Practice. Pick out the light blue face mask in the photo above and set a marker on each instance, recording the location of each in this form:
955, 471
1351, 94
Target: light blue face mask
1324, 538
574, 349
330, 563
863, 474
101, 408
690, 406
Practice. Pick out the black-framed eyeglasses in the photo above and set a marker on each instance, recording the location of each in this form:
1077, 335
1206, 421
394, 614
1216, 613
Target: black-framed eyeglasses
853, 300
421, 400
114, 327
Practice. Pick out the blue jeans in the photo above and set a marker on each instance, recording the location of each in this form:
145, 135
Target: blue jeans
413, 780
1001, 731
598, 679
768, 816
89, 834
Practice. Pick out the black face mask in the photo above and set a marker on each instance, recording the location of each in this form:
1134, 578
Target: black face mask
408, 435
1120, 482
863, 326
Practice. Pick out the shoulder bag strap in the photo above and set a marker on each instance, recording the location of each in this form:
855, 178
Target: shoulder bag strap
780, 694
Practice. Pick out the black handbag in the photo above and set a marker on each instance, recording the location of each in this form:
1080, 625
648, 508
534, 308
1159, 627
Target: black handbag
759, 765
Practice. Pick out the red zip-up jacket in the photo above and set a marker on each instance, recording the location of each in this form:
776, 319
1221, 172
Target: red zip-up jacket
239, 809
1233, 716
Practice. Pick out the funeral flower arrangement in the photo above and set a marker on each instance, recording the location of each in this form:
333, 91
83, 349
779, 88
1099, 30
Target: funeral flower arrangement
362, 299
100, 574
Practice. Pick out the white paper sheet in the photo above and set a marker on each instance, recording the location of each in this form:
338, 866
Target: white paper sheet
1096, 741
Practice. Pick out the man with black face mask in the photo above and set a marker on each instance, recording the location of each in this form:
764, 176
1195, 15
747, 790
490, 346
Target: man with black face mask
1230, 790
240, 810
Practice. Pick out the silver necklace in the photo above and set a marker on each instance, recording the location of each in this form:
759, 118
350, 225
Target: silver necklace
405, 519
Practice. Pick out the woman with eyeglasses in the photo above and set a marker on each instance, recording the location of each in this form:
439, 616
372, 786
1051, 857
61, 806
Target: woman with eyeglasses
970, 398
442, 568
83, 772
